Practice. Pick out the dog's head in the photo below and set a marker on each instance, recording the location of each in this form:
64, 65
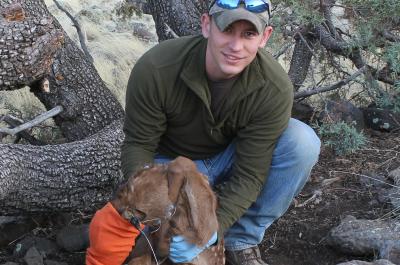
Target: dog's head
178, 195
145, 194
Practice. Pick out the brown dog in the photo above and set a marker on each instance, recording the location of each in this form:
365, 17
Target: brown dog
176, 200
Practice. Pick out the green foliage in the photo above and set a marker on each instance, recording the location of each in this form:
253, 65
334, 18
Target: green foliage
386, 99
396, 97
303, 11
367, 32
364, 36
378, 11
341, 137
392, 56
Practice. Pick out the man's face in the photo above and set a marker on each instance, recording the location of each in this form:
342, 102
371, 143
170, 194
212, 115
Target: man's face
230, 51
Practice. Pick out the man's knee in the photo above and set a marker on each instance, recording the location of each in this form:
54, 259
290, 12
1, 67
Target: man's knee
304, 143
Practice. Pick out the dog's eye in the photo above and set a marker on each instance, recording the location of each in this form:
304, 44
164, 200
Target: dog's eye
154, 223
139, 214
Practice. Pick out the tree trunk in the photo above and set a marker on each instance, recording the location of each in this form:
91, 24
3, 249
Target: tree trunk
301, 60
75, 175
181, 16
34, 48
65, 177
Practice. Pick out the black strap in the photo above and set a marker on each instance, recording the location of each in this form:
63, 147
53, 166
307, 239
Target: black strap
135, 222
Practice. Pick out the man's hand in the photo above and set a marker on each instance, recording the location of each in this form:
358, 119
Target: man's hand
181, 251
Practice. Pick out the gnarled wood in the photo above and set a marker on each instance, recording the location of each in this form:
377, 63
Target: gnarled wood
35, 51
65, 177
27, 46
75, 175
181, 16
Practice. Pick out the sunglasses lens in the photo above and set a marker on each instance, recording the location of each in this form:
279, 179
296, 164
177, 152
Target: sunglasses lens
228, 4
257, 6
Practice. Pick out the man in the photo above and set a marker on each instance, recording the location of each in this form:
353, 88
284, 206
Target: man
221, 100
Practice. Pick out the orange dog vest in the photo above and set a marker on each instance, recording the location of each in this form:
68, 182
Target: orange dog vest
111, 237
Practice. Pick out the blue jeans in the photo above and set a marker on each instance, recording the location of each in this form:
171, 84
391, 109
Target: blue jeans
294, 156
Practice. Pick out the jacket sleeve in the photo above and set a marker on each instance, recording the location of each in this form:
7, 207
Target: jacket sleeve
254, 147
144, 121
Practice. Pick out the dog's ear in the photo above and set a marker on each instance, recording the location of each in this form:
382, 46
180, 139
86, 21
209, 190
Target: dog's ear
123, 196
176, 176
202, 205
197, 200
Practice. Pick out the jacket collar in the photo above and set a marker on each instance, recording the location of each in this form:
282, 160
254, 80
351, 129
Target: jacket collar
194, 75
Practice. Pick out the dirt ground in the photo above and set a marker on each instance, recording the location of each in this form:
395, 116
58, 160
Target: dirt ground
338, 187
299, 237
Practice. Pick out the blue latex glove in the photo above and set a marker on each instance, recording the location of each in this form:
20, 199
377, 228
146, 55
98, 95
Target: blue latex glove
181, 251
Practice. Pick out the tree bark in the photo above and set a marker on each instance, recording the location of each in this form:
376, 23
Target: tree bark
35, 47
182, 16
65, 177
301, 60
75, 175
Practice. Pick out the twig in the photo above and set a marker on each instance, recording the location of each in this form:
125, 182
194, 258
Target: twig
390, 214
170, 31
273, 241
78, 30
14, 122
313, 91
347, 189
282, 50
365, 176
380, 150
327, 182
315, 197
42, 117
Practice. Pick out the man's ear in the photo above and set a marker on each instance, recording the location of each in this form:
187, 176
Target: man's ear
205, 25
266, 34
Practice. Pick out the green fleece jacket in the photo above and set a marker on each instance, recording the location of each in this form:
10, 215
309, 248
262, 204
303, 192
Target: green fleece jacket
168, 113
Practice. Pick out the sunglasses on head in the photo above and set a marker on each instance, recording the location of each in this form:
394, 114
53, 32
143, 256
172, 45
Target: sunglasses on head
255, 6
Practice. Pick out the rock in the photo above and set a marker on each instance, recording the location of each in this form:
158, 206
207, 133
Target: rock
364, 237
74, 237
394, 193
376, 262
373, 179
141, 30
390, 251
302, 112
4, 220
12, 228
395, 175
52, 262
343, 110
381, 119
394, 197
33, 257
43, 245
